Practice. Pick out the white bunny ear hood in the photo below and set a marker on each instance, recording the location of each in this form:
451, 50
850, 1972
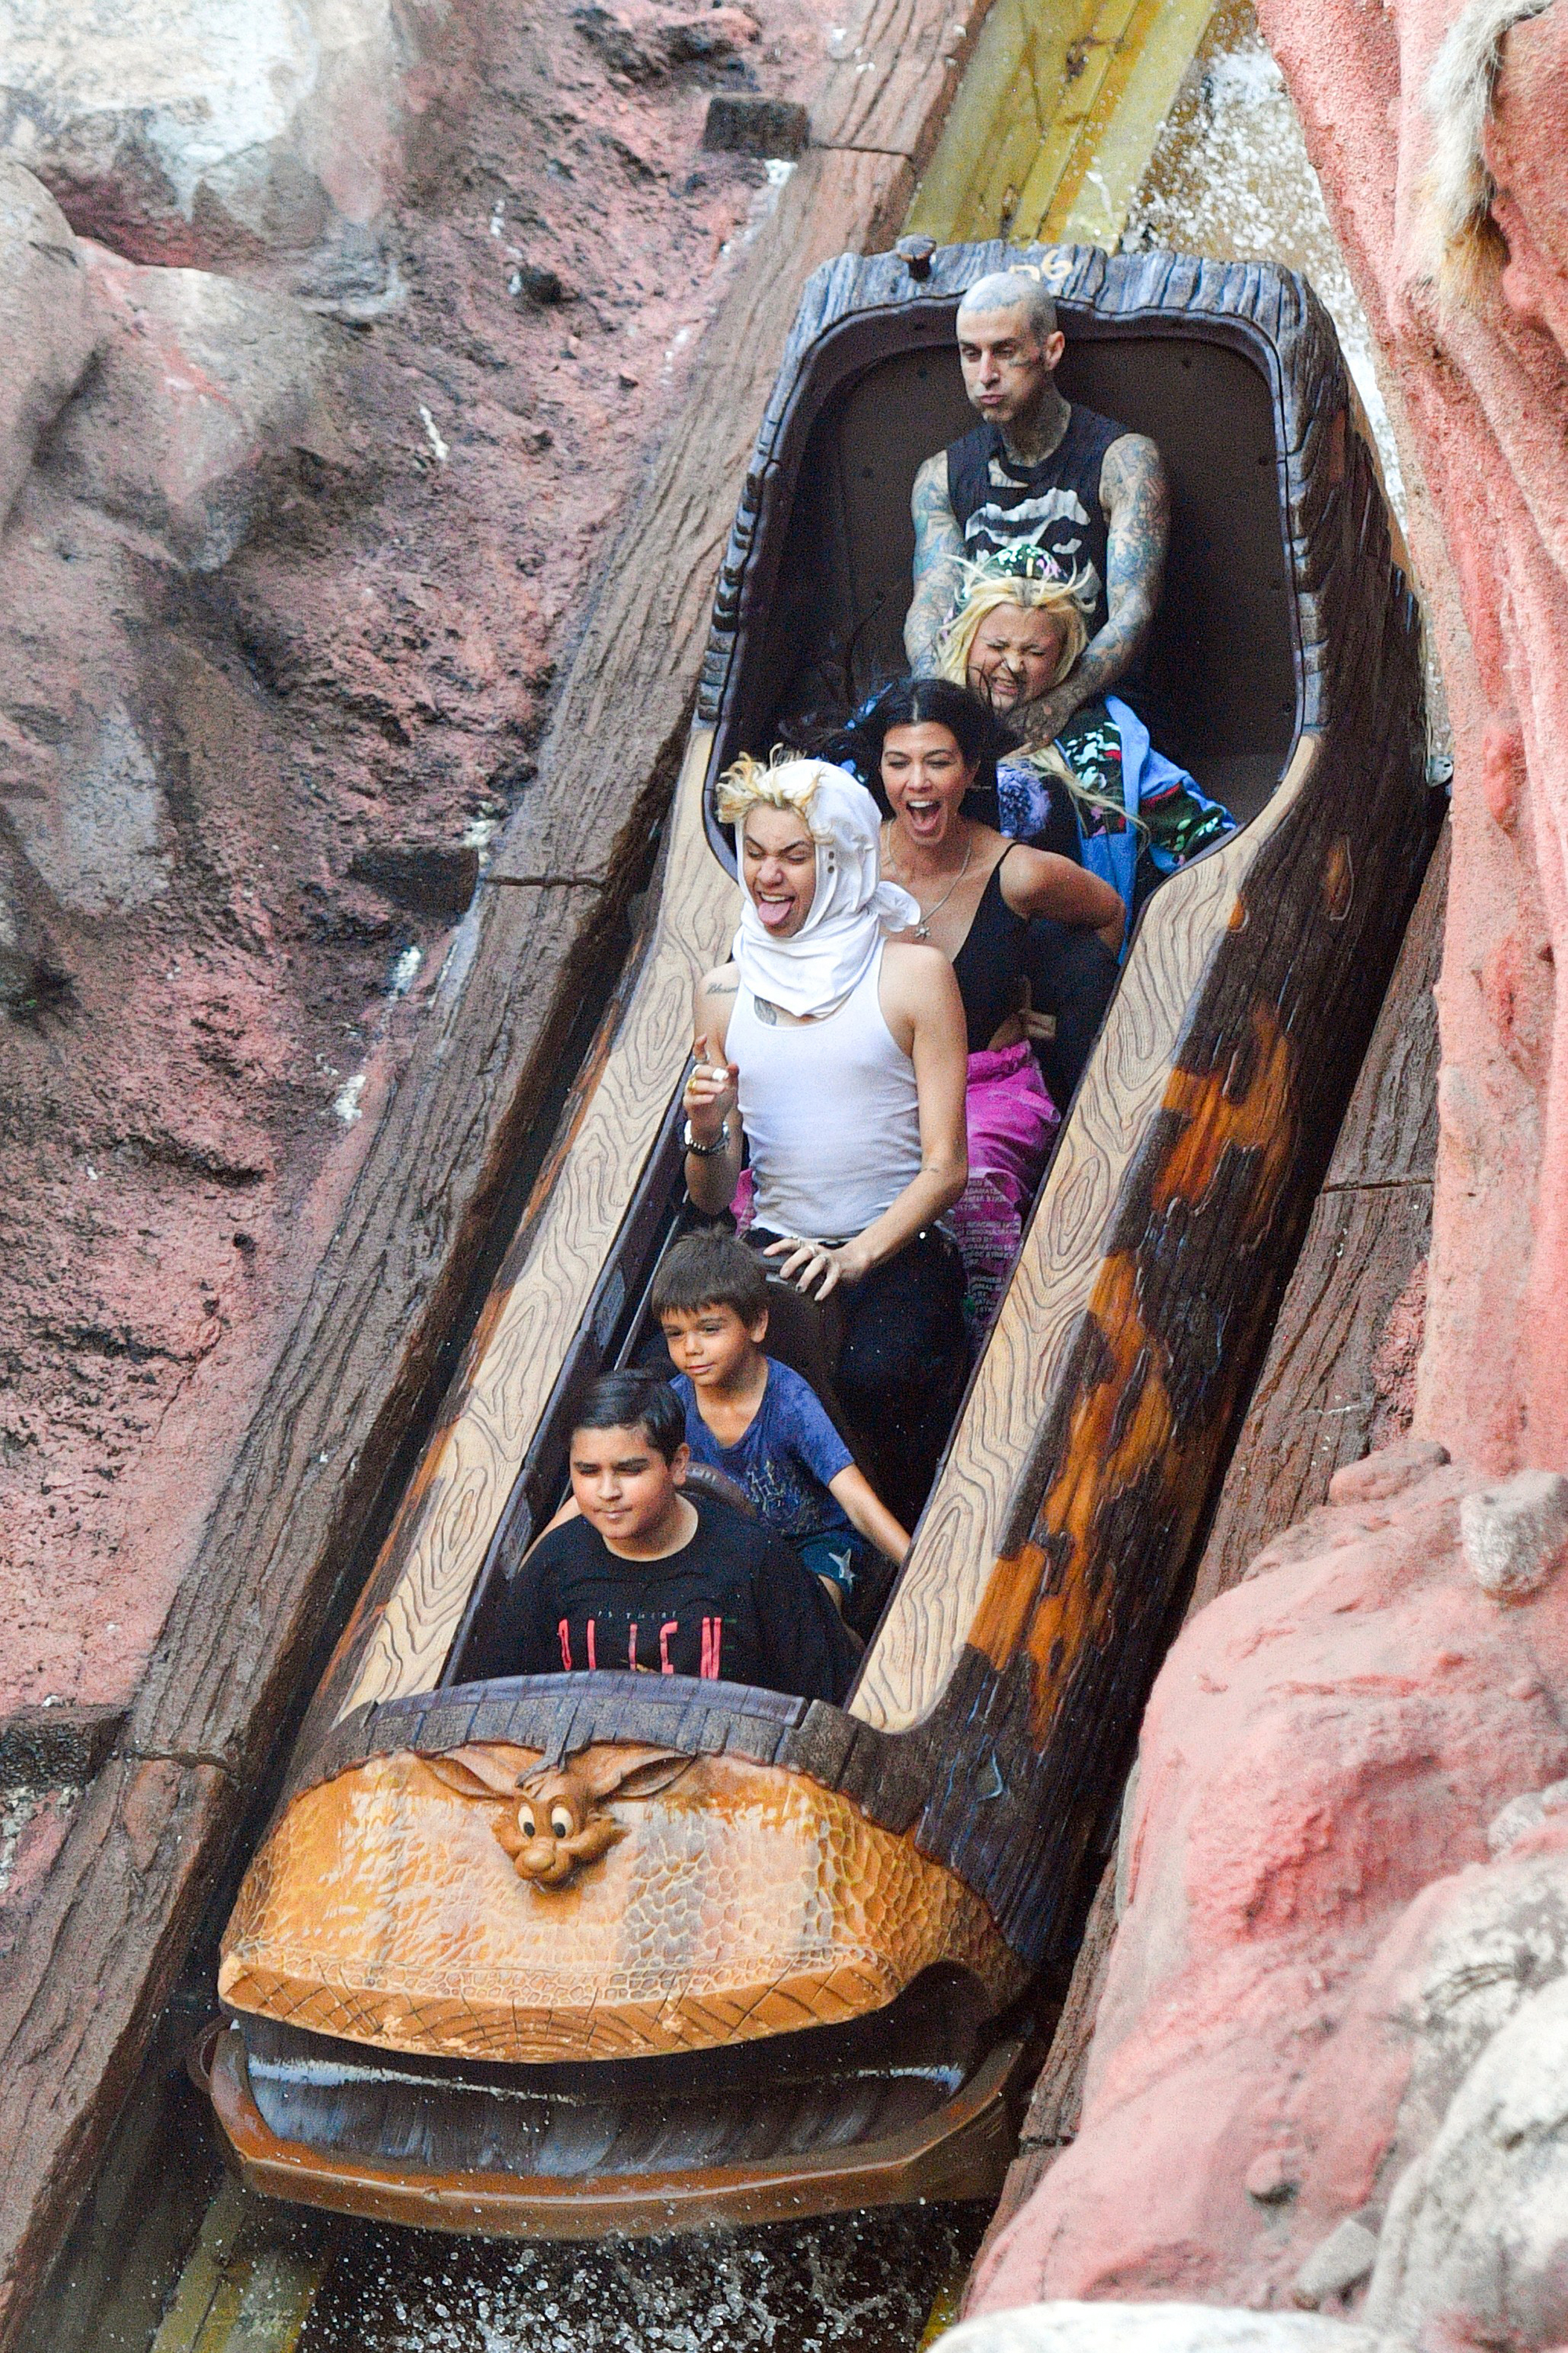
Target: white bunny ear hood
853, 909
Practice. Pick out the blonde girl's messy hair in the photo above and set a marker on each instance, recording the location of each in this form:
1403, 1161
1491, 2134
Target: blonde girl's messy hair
783, 781
988, 585
1020, 577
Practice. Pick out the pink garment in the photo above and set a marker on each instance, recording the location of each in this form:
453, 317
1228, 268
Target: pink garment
1010, 1119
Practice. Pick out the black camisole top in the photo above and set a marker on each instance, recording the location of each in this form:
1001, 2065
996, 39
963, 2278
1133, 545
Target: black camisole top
991, 963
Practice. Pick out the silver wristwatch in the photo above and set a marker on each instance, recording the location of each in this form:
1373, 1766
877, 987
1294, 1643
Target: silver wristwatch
704, 1151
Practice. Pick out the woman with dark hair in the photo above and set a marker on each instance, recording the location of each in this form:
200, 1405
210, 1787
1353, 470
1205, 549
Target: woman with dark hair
928, 749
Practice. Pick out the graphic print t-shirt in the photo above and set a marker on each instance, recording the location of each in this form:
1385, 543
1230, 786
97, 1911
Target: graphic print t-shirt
735, 1603
785, 1459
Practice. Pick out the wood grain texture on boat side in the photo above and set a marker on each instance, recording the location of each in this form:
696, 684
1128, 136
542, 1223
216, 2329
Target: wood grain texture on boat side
438, 1542
964, 1526
1044, 1701
1313, 1408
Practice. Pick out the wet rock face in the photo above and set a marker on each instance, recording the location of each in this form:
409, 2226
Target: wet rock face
1327, 2070
331, 340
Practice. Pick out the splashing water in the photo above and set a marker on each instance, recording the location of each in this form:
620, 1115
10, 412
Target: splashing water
864, 2282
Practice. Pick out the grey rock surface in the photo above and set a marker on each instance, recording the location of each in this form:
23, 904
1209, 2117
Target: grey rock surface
1525, 1813
1476, 2244
202, 132
1064, 2327
1503, 1939
1515, 1535
1336, 2263
203, 386
48, 330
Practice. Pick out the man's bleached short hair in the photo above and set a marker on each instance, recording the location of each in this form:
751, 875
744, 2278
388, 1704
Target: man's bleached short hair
1009, 290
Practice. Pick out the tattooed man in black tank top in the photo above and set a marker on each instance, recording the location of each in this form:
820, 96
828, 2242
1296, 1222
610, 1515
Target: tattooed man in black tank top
1089, 494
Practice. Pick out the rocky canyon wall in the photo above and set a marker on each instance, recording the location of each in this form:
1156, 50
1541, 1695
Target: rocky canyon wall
1328, 2067
333, 341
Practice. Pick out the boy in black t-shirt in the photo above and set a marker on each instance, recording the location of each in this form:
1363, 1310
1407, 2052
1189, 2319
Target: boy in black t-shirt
649, 1580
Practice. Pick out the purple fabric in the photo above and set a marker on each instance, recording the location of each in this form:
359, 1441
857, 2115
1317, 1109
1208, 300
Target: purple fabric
1010, 1120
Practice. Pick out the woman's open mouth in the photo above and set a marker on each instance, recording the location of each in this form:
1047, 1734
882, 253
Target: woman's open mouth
775, 913
927, 820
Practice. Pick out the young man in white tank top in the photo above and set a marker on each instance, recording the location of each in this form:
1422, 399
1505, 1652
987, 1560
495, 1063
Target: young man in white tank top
855, 1114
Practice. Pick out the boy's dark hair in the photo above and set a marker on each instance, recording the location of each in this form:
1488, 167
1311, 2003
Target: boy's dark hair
710, 1270
634, 1401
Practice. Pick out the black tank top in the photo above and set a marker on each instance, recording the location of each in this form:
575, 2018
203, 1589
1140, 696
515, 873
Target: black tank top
991, 962
1056, 504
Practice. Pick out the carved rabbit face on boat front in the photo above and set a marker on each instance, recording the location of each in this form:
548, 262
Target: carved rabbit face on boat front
556, 1829
557, 1824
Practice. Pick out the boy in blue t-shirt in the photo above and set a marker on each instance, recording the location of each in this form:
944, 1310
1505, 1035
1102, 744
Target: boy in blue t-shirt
760, 1422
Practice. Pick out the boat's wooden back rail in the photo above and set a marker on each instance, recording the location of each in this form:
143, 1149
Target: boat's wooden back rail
1269, 315
559, 1715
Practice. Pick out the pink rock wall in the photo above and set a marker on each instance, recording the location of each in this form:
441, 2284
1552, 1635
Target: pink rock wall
1329, 2066
1479, 382
1348, 1871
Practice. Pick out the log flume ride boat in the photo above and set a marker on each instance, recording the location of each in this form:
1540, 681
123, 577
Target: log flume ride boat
801, 1971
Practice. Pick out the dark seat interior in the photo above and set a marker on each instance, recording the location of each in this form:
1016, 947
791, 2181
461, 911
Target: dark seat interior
1221, 663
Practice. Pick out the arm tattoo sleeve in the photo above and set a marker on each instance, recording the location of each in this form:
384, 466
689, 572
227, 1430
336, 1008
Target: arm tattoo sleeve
939, 545
1138, 507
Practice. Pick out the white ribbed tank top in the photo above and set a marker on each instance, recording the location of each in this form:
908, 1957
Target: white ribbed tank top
830, 1112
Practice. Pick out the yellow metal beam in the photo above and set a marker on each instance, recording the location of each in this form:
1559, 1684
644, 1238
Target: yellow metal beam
1056, 119
242, 2290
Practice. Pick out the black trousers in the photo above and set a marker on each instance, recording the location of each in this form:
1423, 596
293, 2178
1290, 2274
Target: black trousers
1071, 973
902, 1364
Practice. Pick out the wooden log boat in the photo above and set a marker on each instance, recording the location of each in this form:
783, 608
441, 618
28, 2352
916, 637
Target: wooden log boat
801, 1976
